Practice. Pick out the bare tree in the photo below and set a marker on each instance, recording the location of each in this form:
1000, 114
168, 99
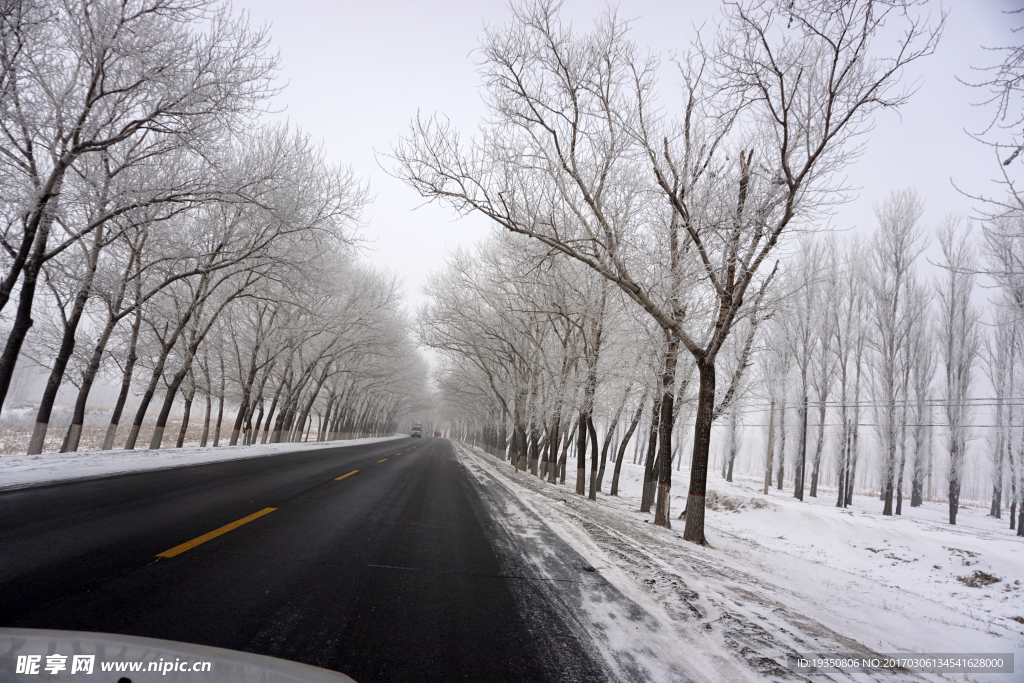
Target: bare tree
896, 245
959, 324
801, 333
1000, 356
1004, 133
771, 109
139, 73
848, 327
922, 365
824, 360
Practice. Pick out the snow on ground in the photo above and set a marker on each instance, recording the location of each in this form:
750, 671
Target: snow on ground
17, 471
635, 646
785, 577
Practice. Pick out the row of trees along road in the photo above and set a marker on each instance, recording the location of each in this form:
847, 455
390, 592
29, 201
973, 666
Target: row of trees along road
156, 230
861, 337
543, 350
679, 209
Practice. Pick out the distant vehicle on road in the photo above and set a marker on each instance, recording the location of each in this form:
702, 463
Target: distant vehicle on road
437, 433
417, 430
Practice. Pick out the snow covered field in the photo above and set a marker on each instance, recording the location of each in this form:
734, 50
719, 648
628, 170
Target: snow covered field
784, 577
26, 470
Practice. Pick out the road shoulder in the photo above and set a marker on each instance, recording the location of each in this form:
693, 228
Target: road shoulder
635, 642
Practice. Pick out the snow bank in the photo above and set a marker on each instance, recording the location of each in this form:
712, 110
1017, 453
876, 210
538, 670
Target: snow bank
17, 471
786, 577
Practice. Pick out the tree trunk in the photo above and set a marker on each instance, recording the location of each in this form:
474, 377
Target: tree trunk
954, 498
126, 382
519, 449
662, 516
1013, 502
844, 461
325, 419
312, 398
592, 495
273, 403
604, 456
887, 487
581, 455
851, 478
818, 445
154, 379
43, 217
206, 419
184, 418
534, 450
147, 397
156, 441
899, 483
647, 496
67, 347
798, 485
553, 450
220, 413
546, 459
771, 447
694, 530
564, 458
625, 442
733, 442
243, 410
996, 509
88, 378
782, 443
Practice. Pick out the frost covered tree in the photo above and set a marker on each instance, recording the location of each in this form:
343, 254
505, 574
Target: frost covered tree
898, 241
92, 77
1003, 250
800, 322
922, 364
848, 327
574, 145
960, 346
1000, 352
1004, 132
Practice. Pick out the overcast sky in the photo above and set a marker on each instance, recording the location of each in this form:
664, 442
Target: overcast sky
357, 72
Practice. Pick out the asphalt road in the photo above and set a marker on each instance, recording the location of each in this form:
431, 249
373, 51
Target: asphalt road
394, 573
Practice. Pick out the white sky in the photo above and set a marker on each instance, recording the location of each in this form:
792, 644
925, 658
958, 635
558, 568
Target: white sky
358, 72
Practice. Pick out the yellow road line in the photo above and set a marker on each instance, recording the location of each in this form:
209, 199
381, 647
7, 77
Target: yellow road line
345, 475
179, 549
382, 460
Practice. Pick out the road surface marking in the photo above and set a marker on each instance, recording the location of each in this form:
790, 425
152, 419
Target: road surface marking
179, 549
382, 460
345, 475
